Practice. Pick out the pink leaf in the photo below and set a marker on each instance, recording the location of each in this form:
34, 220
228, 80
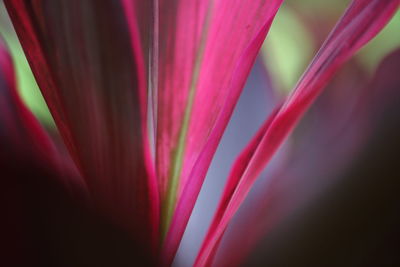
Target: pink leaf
214, 103
330, 135
237, 30
20, 132
22, 136
89, 68
361, 22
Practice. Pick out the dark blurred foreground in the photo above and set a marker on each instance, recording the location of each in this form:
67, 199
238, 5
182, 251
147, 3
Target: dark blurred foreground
43, 225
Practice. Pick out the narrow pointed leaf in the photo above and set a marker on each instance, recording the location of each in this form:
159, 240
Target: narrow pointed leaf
182, 28
336, 123
227, 94
361, 22
23, 137
89, 70
19, 130
235, 34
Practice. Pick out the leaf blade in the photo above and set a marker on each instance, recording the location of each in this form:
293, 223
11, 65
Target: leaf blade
95, 91
191, 188
361, 22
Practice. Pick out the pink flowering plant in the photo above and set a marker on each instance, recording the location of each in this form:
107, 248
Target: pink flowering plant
141, 93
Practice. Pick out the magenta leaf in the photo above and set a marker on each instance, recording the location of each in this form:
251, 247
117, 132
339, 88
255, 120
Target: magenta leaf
360, 23
328, 139
20, 132
23, 138
366, 107
88, 66
221, 77
180, 37
43, 200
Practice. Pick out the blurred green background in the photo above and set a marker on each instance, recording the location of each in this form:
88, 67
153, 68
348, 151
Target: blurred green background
27, 86
299, 29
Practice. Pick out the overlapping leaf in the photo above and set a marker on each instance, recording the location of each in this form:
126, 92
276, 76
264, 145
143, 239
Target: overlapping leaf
20, 132
361, 22
98, 64
203, 66
88, 68
331, 135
